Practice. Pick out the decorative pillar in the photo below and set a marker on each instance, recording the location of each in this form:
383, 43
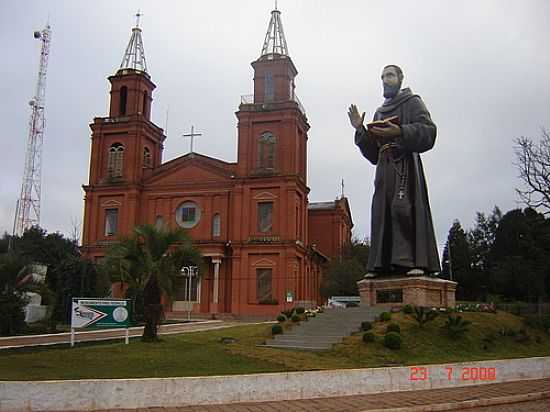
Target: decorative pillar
216, 262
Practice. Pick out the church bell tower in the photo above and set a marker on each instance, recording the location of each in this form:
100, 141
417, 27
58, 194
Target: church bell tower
272, 122
126, 147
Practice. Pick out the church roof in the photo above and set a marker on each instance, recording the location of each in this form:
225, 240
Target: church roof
341, 203
275, 42
134, 56
322, 205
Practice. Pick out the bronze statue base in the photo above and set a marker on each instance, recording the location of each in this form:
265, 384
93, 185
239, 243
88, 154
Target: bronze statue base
399, 291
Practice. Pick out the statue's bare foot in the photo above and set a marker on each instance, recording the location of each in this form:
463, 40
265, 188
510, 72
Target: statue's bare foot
370, 275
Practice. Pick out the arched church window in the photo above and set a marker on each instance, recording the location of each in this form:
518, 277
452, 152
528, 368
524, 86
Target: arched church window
147, 159
115, 160
123, 100
216, 225
266, 151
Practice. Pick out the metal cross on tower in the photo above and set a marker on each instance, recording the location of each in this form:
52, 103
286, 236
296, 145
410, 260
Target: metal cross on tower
192, 136
27, 211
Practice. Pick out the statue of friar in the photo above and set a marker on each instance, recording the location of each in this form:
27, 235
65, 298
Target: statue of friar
402, 233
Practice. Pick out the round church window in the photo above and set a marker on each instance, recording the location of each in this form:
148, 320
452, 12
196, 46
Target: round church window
188, 214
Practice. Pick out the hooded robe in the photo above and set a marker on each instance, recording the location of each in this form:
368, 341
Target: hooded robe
402, 233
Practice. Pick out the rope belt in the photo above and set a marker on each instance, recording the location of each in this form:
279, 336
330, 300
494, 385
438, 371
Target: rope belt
386, 147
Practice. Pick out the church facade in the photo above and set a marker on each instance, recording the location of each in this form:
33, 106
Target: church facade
251, 219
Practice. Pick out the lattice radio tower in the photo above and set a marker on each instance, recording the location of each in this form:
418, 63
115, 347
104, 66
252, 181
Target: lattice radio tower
27, 211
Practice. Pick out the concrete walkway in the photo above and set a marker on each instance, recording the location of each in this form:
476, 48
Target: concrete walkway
526, 395
105, 334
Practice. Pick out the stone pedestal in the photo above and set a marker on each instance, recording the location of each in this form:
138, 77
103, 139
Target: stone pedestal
414, 290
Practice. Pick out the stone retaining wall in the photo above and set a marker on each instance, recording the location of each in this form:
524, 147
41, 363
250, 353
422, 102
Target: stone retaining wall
91, 395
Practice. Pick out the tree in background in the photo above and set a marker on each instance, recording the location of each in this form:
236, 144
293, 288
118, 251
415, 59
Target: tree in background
481, 240
12, 299
457, 263
521, 254
533, 163
147, 262
342, 275
68, 274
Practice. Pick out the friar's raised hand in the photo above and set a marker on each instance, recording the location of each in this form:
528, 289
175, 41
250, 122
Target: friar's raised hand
355, 118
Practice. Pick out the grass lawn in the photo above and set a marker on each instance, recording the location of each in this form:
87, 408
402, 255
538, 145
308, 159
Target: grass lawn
202, 353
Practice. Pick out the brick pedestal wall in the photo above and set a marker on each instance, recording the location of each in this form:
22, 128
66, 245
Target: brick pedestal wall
417, 291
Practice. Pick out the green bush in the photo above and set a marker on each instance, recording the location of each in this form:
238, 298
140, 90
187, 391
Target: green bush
12, 314
392, 340
408, 309
276, 329
368, 337
393, 327
456, 326
299, 310
423, 315
366, 325
288, 313
295, 318
385, 316
281, 318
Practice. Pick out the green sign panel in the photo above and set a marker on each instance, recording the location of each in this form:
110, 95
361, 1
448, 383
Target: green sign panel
100, 313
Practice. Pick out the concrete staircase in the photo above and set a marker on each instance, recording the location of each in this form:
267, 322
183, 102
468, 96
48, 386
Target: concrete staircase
324, 330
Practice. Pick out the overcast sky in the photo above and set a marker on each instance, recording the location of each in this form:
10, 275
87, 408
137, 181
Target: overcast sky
482, 67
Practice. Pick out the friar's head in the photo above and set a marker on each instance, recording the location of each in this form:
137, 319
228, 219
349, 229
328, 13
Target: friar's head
392, 77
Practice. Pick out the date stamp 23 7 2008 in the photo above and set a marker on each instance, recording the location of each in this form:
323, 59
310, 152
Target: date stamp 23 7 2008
419, 373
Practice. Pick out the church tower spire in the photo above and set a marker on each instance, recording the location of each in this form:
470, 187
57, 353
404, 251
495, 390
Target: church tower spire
275, 42
134, 57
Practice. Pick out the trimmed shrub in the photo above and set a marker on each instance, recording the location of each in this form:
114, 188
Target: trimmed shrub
392, 340
366, 325
368, 337
276, 329
299, 310
408, 309
295, 318
393, 327
281, 318
288, 313
385, 316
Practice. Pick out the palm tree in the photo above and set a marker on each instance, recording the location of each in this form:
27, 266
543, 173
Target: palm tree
147, 262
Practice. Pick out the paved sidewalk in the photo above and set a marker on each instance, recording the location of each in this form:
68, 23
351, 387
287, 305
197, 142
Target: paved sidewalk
94, 335
509, 396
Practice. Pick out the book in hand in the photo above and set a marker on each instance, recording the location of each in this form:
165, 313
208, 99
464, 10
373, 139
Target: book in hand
383, 123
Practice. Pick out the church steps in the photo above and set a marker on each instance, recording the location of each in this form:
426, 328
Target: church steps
325, 329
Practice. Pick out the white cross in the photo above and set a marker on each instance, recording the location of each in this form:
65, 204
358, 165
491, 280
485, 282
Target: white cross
138, 15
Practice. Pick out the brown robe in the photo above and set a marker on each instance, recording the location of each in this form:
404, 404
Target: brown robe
402, 234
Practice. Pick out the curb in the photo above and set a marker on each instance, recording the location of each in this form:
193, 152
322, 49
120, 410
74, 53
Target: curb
474, 403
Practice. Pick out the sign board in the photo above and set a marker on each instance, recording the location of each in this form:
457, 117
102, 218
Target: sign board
100, 313
289, 297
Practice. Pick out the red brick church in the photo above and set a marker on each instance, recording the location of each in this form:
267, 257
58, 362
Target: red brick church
265, 246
